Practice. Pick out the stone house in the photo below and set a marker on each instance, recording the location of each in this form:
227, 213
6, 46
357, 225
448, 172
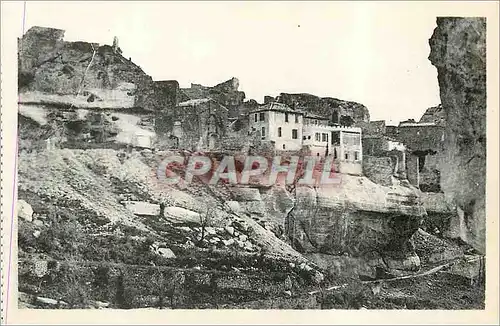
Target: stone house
295, 130
425, 143
278, 123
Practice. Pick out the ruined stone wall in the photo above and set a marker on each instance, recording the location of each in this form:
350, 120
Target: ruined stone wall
412, 169
434, 114
225, 93
374, 146
378, 169
162, 95
430, 175
83, 128
458, 51
372, 127
421, 138
202, 126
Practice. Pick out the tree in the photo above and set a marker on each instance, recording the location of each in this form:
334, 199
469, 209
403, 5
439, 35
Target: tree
205, 221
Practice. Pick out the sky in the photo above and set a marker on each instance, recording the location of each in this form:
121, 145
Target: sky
371, 53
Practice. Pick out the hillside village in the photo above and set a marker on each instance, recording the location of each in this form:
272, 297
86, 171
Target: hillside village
115, 107
92, 127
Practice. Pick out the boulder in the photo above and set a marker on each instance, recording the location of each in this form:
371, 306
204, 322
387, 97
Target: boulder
254, 207
470, 267
38, 222
210, 230
234, 206
166, 252
49, 302
24, 210
357, 217
228, 242
40, 268
142, 208
181, 215
242, 194
101, 305
408, 263
230, 230
161, 250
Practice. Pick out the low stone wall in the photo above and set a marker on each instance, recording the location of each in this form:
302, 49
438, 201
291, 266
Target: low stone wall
132, 286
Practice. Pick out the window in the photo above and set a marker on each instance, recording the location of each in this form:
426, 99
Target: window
351, 139
279, 132
317, 137
346, 156
286, 117
308, 137
295, 134
335, 153
255, 117
304, 138
324, 137
356, 156
336, 137
283, 146
296, 118
261, 116
263, 132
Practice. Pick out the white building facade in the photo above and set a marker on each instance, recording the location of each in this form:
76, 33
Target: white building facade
280, 124
291, 130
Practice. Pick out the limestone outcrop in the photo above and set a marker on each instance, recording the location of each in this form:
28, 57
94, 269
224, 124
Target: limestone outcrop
339, 111
360, 219
85, 75
458, 51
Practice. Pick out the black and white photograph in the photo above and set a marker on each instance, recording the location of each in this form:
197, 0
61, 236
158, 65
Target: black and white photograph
249, 155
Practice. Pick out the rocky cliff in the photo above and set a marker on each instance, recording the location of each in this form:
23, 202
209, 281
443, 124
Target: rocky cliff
83, 74
458, 51
339, 111
361, 220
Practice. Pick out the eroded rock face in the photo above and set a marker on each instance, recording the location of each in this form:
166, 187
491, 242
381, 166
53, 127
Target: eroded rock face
358, 218
458, 51
54, 71
339, 111
225, 93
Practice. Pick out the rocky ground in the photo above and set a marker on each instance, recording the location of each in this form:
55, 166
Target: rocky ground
97, 230
91, 234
